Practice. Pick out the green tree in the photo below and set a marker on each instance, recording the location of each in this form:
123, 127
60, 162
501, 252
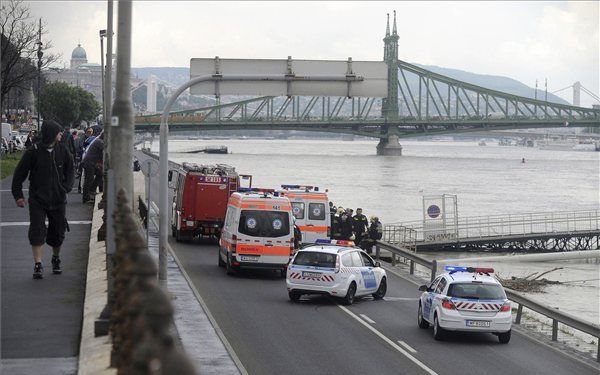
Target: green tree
68, 105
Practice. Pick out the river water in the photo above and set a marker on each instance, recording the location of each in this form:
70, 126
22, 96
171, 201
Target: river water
487, 180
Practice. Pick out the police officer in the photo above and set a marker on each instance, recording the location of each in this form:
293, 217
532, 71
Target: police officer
360, 225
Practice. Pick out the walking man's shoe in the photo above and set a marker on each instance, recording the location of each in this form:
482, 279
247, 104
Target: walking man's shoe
38, 271
56, 265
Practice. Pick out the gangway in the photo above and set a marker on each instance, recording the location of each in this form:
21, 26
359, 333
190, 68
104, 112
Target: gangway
555, 231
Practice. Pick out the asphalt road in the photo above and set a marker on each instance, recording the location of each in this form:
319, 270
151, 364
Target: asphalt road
272, 335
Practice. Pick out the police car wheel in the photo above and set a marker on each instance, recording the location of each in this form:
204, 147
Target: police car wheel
294, 296
438, 332
422, 322
380, 293
504, 337
349, 298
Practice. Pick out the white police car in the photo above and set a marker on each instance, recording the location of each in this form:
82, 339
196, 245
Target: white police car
335, 268
465, 299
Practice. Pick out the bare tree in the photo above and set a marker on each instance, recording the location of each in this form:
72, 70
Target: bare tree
21, 36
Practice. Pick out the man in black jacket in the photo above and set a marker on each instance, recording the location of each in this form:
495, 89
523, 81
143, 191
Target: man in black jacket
49, 166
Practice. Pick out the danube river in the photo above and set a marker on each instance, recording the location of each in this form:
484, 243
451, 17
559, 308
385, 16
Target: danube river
487, 180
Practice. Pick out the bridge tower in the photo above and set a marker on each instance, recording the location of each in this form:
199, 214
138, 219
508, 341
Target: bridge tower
391, 144
577, 94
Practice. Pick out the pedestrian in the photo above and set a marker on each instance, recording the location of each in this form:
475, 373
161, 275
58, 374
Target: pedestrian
30, 139
92, 168
49, 166
69, 142
360, 226
297, 236
375, 233
345, 224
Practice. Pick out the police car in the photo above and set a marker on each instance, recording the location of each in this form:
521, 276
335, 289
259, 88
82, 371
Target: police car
465, 299
335, 268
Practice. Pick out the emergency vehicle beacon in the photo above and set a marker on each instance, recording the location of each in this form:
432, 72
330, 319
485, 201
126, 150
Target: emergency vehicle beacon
200, 198
310, 207
258, 231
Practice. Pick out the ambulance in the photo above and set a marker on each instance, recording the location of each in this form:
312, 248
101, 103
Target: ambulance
258, 231
201, 192
310, 208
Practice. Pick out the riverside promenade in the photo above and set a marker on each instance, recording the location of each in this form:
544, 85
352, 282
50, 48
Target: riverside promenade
47, 326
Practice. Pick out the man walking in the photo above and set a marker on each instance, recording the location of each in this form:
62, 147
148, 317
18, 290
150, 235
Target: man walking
49, 166
91, 163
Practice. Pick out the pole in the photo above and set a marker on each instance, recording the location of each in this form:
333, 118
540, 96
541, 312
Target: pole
102, 35
39, 82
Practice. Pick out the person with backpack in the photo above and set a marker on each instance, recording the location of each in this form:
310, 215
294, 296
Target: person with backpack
49, 166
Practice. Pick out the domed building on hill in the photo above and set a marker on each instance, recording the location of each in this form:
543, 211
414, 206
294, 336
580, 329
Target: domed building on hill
86, 75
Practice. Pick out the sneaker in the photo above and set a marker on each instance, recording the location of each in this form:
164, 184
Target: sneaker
56, 266
38, 271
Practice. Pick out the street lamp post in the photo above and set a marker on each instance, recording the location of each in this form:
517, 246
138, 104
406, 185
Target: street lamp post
102, 36
40, 54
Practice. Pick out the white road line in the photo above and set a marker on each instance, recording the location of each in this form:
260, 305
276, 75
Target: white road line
401, 298
26, 223
366, 318
408, 347
390, 342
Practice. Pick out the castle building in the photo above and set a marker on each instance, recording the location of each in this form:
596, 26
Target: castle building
86, 75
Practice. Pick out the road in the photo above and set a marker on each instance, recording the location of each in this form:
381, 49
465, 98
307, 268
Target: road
272, 335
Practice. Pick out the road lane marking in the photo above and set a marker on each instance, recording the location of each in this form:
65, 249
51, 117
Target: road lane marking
401, 298
369, 320
408, 347
390, 342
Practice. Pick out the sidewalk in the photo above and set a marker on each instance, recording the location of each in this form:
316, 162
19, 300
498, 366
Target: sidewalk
41, 320
47, 326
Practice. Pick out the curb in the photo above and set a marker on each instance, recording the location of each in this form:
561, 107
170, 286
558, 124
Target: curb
94, 352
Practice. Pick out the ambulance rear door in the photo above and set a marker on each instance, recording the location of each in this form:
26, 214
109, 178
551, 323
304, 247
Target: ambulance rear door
311, 211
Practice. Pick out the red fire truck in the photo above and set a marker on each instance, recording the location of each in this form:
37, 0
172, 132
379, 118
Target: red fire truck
200, 198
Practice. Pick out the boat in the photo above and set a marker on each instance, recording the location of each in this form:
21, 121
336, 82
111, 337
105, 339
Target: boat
482, 143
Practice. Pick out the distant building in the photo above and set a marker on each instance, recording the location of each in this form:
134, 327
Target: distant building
86, 75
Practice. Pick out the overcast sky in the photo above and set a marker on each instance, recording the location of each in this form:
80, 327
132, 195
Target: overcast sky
526, 41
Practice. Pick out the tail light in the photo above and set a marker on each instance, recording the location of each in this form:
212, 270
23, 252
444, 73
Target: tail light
329, 232
505, 307
337, 264
447, 304
233, 243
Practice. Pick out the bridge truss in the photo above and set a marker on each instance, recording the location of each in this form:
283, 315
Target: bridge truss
428, 104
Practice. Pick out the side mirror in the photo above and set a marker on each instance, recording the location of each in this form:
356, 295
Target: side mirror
377, 264
423, 288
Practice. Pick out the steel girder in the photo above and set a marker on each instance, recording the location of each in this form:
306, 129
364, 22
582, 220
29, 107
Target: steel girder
429, 103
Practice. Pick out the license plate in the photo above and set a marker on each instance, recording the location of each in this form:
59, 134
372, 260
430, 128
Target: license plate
249, 258
478, 323
313, 275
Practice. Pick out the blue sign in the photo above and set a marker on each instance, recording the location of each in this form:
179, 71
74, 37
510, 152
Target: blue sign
433, 211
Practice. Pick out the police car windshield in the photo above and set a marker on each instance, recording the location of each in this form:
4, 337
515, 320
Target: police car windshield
315, 259
259, 223
476, 291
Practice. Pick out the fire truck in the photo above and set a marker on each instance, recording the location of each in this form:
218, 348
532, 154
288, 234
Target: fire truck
201, 192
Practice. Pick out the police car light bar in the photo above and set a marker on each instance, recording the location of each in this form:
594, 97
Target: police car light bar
326, 241
453, 269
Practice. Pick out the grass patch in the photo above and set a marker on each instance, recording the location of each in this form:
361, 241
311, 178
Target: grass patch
8, 163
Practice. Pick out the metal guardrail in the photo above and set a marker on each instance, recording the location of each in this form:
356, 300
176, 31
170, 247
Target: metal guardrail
477, 227
522, 301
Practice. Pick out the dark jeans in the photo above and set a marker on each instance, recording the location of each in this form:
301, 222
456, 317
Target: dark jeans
54, 235
92, 176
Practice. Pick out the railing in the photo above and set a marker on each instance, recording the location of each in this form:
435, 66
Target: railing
502, 225
522, 301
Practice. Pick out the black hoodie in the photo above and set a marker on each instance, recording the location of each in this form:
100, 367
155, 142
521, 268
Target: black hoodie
50, 170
